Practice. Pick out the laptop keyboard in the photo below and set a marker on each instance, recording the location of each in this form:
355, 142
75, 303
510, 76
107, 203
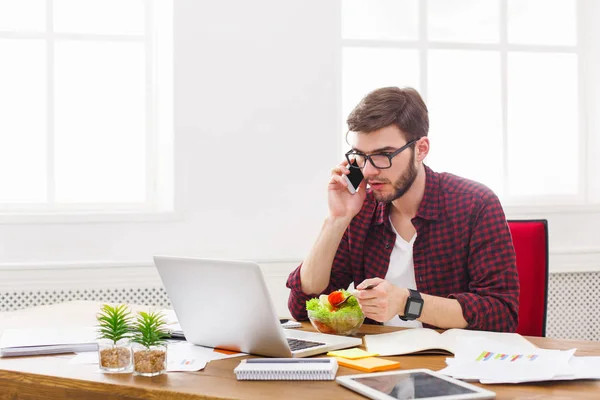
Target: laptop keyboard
297, 344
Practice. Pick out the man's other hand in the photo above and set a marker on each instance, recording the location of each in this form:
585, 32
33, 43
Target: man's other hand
383, 302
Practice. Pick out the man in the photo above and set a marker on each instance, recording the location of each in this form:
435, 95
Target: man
421, 247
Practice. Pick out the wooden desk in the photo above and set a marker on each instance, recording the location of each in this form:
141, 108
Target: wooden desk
51, 377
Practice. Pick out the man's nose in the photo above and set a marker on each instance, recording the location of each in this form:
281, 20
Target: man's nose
369, 169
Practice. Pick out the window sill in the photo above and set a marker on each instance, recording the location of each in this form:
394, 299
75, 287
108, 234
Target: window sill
541, 210
88, 217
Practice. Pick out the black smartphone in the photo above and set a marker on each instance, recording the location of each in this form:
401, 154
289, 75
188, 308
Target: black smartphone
354, 178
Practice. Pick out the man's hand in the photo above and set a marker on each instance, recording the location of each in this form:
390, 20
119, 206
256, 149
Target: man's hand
383, 302
343, 204
315, 273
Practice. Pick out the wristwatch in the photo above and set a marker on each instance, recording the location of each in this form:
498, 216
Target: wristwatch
414, 306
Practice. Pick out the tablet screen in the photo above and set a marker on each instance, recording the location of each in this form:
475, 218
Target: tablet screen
416, 385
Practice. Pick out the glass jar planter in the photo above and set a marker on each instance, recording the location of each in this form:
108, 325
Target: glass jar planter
114, 357
149, 361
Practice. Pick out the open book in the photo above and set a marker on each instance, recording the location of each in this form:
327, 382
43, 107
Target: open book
425, 340
37, 341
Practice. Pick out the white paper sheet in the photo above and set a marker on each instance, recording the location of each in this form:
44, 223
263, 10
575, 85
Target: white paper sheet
181, 356
170, 316
578, 368
495, 362
90, 357
47, 336
37, 341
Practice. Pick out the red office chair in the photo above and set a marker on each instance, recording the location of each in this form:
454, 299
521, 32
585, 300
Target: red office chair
530, 238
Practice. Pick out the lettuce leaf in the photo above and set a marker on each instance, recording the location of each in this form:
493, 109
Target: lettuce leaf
342, 319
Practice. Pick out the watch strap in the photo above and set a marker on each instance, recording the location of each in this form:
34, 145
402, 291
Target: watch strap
412, 295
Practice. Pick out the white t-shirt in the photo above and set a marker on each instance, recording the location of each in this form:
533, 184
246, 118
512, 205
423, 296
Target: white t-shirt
401, 273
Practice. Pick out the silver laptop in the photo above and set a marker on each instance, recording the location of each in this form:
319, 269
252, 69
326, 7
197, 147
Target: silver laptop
226, 304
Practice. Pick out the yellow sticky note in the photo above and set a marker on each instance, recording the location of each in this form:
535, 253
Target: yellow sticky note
371, 364
352, 354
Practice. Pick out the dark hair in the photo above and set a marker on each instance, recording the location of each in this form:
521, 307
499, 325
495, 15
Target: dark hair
391, 106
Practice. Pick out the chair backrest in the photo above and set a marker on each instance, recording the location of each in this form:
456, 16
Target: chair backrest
530, 239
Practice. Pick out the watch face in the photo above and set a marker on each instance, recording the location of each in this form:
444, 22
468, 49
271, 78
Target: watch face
414, 308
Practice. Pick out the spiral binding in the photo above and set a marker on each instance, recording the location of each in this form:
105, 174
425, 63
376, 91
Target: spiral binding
246, 372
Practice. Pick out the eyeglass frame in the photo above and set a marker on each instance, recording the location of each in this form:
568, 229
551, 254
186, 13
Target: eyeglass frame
369, 159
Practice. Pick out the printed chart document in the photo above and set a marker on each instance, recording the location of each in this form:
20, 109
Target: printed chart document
580, 368
425, 340
494, 362
37, 341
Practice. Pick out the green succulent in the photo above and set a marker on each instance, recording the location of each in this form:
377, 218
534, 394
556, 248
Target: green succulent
149, 329
114, 322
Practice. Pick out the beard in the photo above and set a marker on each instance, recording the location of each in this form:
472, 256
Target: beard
401, 185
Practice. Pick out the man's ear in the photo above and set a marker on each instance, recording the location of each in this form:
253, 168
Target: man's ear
422, 148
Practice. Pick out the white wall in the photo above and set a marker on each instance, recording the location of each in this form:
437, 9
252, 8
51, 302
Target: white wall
256, 133
256, 125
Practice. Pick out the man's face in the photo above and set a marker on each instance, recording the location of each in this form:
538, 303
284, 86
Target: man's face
387, 184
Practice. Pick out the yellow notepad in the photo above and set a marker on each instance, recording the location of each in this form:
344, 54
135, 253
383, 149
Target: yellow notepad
370, 364
351, 354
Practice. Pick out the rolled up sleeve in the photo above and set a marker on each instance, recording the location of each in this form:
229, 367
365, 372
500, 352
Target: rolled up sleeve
341, 277
492, 303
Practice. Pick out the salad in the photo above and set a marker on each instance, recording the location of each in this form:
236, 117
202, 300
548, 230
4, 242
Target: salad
338, 312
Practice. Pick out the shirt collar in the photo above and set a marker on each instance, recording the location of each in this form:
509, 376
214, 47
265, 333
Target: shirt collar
430, 204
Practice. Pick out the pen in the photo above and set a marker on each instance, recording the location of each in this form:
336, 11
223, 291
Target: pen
371, 286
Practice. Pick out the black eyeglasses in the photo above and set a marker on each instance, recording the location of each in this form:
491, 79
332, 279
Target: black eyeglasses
379, 160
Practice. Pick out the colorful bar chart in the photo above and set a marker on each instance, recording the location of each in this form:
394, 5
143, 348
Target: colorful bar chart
489, 355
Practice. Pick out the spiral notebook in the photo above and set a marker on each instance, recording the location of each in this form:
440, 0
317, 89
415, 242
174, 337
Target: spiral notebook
287, 369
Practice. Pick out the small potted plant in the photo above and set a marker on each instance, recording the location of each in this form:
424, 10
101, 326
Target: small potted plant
114, 347
150, 346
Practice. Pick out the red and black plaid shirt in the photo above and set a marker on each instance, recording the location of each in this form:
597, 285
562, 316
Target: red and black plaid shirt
463, 251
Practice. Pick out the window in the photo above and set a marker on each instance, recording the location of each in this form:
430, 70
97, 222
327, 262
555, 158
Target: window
502, 80
85, 106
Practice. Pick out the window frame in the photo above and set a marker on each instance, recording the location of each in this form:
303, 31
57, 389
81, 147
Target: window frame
159, 204
526, 205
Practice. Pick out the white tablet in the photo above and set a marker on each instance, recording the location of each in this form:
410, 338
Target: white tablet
412, 384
